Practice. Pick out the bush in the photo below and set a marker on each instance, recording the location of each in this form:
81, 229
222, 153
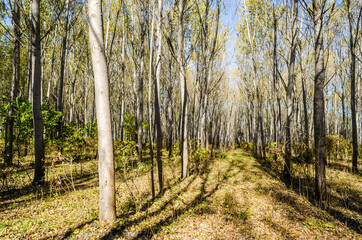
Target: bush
126, 154
201, 158
51, 120
248, 146
336, 145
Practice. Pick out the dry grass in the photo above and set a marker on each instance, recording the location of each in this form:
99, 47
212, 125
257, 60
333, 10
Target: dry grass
237, 197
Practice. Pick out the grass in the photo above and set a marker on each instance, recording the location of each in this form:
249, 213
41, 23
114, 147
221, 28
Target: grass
237, 197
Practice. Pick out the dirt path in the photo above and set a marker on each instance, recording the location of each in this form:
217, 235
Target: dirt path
235, 199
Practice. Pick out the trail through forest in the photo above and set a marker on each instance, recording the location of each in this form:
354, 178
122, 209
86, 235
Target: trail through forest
233, 197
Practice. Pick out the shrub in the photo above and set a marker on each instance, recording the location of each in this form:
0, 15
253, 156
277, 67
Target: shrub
336, 145
200, 161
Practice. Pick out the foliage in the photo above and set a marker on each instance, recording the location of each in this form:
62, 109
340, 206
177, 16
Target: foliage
91, 129
200, 160
248, 146
126, 154
130, 128
22, 120
51, 120
336, 145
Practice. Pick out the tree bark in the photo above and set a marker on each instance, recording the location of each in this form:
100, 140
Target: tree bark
150, 78
72, 96
62, 68
107, 206
319, 116
30, 67
14, 84
39, 172
183, 85
140, 85
52, 65
290, 88
157, 97
278, 130
352, 46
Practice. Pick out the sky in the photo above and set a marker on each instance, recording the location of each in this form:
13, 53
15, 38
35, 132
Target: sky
229, 19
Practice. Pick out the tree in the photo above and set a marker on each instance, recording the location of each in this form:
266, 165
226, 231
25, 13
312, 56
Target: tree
353, 40
36, 80
157, 97
107, 204
318, 103
14, 83
62, 67
183, 85
150, 78
290, 88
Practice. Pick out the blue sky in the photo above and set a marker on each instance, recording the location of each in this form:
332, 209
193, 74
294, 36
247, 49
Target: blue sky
229, 19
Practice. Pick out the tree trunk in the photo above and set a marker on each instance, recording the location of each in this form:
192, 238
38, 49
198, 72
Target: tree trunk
352, 46
183, 85
71, 113
123, 77
157, 97
39, 172
278, 131
107, 206
62, 68
30, 67
52, 65
305, 110
319, 116
14, 85
290, 88
150, 78
140, 86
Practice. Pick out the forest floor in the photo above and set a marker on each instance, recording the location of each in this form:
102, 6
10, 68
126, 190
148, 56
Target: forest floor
236, 197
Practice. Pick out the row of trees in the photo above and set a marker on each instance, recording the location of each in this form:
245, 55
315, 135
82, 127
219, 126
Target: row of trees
309, 67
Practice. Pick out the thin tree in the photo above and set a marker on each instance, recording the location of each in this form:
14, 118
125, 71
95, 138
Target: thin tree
14, 84
140, 76
318, 103
150, 78
62, 67
39, 172
183, 85
107, 206
157, 97
290, 88
353, 40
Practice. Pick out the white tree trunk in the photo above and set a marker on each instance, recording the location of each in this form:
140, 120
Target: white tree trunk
157, 97
107, 207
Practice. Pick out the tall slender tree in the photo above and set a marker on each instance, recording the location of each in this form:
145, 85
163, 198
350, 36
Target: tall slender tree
14, 83
318, 103
62, 66
290, 88
39, 172
157, 97
107, 203
150, 78
183, 85
353, 40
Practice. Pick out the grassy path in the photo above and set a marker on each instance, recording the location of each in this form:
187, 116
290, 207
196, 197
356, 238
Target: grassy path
235, 198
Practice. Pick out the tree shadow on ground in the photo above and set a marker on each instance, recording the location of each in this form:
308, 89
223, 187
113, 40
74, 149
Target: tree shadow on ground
150, 231
343, 168
31, 192
305, 186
